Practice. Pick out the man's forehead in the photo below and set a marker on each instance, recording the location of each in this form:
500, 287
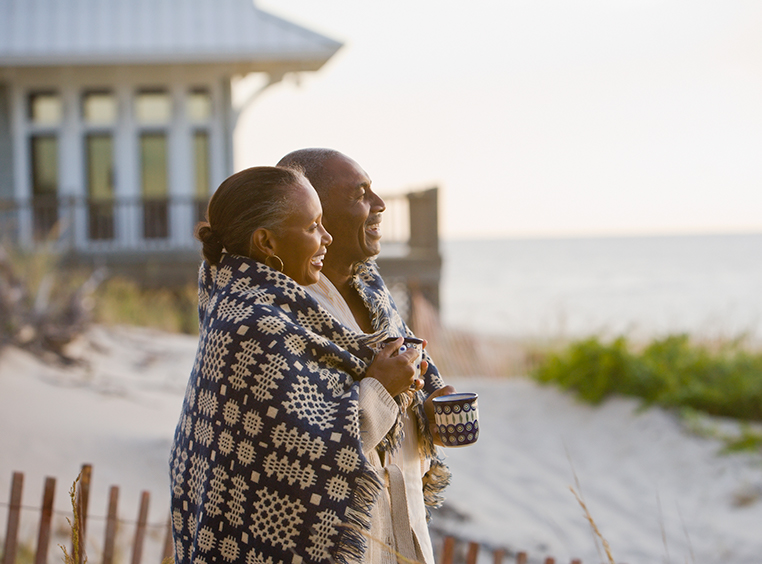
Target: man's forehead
345, 175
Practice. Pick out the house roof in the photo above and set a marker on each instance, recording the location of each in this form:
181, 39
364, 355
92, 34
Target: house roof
98, 32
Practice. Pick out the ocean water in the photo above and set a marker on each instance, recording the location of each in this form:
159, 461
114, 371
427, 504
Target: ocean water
707, 285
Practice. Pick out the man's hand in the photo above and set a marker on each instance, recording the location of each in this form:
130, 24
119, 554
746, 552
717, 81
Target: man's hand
395, 371
428, 407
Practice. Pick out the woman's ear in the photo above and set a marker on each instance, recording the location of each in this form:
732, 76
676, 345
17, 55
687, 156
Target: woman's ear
262, 244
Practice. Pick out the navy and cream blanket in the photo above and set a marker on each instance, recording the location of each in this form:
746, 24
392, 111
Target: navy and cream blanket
267, 465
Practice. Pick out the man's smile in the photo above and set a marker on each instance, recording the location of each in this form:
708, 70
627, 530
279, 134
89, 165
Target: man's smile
373, 226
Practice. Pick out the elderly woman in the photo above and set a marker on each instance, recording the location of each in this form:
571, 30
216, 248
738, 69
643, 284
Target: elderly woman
267, 464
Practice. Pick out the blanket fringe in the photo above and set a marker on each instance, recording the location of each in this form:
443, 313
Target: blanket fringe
434, 483
353, 541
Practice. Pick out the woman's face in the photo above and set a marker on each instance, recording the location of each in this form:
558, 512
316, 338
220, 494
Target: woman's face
301, 241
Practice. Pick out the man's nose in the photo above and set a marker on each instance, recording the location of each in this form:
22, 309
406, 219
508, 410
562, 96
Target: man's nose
377, 204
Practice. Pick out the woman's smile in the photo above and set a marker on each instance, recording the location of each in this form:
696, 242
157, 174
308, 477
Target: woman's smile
317, 260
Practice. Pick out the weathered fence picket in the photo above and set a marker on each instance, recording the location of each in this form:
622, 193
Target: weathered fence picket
473, 552
109, 541
46, 519
14, 515
169, 546
449, 554
140, 532
82, 501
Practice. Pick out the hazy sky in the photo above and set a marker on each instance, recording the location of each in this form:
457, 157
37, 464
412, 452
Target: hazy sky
536, 117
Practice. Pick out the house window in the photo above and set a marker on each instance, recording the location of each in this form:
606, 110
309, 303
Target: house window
100, 185
45, 109
99, 108
201, 160
45, 112
99, 112
199, 105
153, 164
153, 107
153, 110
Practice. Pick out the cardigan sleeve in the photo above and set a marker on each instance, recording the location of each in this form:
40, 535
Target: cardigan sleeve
378, 412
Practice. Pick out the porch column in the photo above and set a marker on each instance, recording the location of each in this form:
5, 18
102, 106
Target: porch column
22, 183
71, 211
126, 167
181, 181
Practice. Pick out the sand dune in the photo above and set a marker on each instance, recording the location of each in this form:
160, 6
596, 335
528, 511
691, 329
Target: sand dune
657, 492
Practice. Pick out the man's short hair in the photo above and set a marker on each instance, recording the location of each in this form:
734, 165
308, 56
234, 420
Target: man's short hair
312, 163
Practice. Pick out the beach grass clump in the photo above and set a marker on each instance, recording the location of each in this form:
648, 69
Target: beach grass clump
41, 309
125, 302
720, 378
77, 554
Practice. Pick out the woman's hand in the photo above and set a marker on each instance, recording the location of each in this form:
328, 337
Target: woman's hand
396, 372
428, 407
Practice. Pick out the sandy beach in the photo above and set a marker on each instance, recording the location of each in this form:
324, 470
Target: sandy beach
657, 492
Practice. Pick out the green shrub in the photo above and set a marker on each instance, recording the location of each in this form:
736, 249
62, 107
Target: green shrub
724, 379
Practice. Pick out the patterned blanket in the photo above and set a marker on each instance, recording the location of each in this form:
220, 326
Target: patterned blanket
386, 319
267, 465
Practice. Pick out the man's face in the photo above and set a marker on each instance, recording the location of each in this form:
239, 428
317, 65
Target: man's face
351, 212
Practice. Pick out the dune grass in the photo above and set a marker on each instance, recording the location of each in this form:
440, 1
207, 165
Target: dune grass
719, 378
123, 301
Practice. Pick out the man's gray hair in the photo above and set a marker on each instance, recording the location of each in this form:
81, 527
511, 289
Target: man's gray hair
311, 162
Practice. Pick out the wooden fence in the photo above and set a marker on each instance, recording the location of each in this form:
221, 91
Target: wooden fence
452, 549
449, 554
112, 520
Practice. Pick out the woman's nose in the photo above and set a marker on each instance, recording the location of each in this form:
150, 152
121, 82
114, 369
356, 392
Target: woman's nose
326, 239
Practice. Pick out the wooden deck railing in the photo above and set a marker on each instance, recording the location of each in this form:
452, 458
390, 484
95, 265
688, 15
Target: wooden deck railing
453, 550
117, 224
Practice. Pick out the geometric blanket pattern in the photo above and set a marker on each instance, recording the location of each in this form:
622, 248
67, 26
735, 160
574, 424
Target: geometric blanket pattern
266, 465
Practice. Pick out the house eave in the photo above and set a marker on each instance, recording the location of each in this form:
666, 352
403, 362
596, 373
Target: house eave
295, 62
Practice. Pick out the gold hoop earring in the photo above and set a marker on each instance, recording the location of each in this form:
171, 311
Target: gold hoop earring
279, 268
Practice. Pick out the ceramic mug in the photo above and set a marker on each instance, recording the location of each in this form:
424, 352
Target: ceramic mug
409, 342
457, 418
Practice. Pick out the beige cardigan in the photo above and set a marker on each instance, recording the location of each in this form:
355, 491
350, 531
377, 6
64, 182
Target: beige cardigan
404, 488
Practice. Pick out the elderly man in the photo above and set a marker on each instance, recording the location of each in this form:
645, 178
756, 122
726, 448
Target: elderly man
397, 436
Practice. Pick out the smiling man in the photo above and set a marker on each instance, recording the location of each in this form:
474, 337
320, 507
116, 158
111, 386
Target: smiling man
397, 437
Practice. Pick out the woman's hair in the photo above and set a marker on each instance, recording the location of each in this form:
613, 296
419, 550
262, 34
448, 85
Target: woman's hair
257, 197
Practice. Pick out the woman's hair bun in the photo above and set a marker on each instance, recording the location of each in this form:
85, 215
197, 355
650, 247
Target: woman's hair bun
212, 246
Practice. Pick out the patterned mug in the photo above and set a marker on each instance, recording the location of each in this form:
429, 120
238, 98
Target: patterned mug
408, 343
457, 418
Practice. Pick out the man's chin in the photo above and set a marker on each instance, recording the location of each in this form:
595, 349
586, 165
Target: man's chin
371, 250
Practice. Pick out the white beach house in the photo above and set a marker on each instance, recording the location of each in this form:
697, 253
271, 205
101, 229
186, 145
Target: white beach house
116, 118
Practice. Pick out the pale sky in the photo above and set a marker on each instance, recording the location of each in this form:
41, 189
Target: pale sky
536, 117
